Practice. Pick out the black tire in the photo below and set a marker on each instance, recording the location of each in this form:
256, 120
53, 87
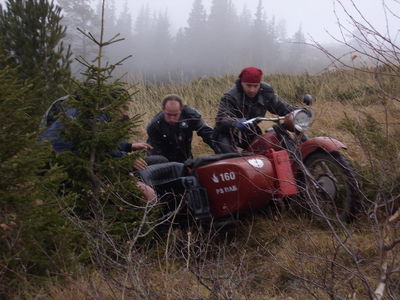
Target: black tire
331, 188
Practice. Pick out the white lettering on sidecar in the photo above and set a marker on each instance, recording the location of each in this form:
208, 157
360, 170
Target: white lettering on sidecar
226, 189
256, 162
222, 177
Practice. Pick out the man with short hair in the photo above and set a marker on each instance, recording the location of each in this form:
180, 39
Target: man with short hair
170, 132
248, 98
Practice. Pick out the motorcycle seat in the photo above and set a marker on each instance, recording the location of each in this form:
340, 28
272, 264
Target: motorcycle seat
193, 163
162, 173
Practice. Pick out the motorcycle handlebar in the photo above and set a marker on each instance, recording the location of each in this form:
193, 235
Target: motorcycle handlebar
250, 121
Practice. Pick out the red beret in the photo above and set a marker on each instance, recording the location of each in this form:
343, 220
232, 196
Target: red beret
251, 75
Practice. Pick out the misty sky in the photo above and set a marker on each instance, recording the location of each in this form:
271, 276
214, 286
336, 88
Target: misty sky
160, 54
315, 16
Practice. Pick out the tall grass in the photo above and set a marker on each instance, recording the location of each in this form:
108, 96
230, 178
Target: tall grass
335, 94
279, 255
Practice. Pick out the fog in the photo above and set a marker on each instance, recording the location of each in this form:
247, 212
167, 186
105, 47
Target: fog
316, 18
185, 39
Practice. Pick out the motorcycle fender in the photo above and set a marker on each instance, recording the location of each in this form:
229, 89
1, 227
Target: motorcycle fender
325, 143
286, 183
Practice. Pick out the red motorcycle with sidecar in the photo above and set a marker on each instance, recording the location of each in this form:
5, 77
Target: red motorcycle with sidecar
282, 163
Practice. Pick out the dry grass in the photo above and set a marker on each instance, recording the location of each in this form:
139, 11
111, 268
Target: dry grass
171, 285
278, 256
274, 255
204, 95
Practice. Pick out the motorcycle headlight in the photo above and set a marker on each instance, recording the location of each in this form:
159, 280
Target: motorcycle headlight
299, 120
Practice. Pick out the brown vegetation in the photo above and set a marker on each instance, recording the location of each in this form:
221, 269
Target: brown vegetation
276, 254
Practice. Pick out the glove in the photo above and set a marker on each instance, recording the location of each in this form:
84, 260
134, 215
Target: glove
240, 125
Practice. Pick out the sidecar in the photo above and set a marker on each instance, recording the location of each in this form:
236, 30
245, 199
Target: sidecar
220, 185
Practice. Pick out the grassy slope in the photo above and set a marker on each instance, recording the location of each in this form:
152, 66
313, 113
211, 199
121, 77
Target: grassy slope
334, 93
266, 256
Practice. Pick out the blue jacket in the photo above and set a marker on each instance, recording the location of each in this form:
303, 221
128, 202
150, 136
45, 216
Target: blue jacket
52, 134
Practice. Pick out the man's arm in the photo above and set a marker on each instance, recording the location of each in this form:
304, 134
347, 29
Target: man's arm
227, 114
276, 105
201, 127
129, 147
154, 139
281, 108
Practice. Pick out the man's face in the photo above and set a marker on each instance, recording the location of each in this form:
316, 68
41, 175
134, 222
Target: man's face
172, 112
250, 89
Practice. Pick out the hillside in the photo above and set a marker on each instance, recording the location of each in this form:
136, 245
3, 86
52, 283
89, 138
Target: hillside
277, 253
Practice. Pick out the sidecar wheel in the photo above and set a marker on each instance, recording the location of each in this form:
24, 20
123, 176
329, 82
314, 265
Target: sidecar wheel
331, 188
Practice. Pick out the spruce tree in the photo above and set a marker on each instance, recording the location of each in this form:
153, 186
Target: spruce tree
197, 19
110, 18
107, 202
36, 240
259, 31
143, 35
78, 14
124, 22
297, 52
125, 28
245, 38
32, 36
194, 45
222, 38
266, 54
161, 48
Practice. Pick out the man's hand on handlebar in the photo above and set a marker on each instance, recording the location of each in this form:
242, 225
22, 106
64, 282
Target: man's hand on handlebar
241, 125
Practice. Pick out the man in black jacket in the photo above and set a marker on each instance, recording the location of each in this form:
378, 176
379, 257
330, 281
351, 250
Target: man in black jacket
248, 98
170, 132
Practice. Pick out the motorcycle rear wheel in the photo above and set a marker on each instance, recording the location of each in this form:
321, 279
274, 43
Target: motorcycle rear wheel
331, 187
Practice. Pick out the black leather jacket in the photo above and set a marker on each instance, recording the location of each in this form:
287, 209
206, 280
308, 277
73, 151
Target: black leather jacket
236, 105
175, 141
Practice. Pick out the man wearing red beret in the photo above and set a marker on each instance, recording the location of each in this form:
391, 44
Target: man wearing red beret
248, 98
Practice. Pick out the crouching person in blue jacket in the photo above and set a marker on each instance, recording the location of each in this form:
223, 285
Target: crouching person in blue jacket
53, 127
